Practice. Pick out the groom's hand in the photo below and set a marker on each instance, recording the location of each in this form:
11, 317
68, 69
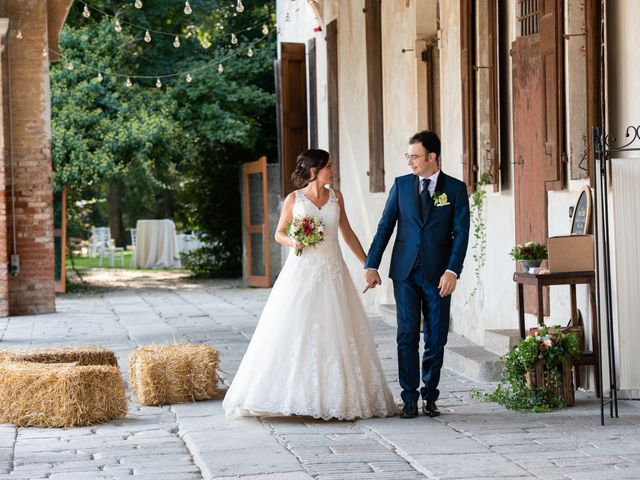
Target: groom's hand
447, 283
372, 277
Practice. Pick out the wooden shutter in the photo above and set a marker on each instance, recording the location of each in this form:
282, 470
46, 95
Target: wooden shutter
332, 98
313, 96
468, 93
593, 43
552, 99
494, 101
291, 87
373, 24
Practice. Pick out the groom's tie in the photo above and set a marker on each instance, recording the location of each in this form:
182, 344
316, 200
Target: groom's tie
424, 198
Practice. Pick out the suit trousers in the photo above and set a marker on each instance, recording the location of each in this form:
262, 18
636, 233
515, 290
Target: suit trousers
414, 296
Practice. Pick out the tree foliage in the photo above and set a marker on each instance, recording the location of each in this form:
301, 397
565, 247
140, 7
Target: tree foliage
172, 151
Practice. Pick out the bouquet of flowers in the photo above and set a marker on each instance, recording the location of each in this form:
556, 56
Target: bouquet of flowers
307, 231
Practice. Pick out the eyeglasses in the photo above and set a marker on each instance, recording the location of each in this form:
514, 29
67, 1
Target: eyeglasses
412, 158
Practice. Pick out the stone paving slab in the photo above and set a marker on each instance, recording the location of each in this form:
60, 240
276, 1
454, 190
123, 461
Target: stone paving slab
471, 440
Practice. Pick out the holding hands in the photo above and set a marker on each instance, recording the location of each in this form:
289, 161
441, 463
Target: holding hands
372, 278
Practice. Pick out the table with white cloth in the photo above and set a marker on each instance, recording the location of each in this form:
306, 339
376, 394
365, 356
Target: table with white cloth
189, 242
156, 245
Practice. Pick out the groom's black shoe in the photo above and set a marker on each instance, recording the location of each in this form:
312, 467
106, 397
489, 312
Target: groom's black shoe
410, 410
430, 409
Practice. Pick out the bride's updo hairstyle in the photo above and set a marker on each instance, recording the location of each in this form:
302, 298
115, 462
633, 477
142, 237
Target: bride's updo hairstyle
312, 158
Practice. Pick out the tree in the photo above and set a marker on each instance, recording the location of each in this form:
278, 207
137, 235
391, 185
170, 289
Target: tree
178, 147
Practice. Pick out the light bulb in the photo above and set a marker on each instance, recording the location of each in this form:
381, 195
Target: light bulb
249, 53
100, 77
239, 7
128, 82
234, 39
220, 68
176, 42
19, 35
118, 27
138, 4
85, 12
187, 8
147, 36
189, 78
158, 83
265, 29
206, 43
45, 52
69, 66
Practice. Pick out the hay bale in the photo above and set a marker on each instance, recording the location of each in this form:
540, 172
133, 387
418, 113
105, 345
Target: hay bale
60, 395
166, 374
83, 355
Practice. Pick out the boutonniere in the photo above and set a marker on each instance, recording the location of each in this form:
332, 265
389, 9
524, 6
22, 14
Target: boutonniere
440, 199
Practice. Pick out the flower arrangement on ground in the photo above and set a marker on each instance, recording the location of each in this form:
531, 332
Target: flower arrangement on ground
307, 231
548, 345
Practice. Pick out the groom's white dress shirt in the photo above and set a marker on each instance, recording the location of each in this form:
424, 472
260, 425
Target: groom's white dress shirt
432, 183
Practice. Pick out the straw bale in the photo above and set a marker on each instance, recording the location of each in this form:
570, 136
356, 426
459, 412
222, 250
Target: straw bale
83, 355
60, 395
166, 374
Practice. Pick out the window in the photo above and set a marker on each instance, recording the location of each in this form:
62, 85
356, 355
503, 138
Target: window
528, 17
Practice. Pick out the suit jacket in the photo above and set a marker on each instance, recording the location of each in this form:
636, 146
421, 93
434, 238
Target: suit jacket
440, 241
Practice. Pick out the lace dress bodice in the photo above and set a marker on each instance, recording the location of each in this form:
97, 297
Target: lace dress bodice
329, 214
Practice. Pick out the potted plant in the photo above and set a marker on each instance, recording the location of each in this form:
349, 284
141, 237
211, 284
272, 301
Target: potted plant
529, 254
537, 374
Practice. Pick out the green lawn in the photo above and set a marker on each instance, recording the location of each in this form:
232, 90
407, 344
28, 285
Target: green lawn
85, 263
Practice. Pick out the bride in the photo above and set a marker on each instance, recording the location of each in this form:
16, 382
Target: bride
312, 352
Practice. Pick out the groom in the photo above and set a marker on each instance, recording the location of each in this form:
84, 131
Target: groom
431, 210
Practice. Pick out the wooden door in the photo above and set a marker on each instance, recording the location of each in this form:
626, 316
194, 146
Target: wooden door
60, 239
530, 192
291, 86
256, 222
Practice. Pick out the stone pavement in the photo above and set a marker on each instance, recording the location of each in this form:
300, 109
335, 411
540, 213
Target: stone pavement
471, 440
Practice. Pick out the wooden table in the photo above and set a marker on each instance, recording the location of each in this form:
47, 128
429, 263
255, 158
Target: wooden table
540, 280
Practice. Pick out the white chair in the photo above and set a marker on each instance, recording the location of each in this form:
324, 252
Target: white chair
134, 238
110, 250
99, 235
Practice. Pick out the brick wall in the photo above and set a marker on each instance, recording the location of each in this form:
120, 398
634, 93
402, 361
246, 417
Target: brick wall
4, 281
32, 291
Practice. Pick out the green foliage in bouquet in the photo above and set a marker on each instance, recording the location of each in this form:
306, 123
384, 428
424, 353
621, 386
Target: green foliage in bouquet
550, 345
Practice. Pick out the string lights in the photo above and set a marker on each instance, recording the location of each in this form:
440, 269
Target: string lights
188, 75
177, 37
129, 79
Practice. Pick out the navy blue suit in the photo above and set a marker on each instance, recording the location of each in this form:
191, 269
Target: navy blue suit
423, 250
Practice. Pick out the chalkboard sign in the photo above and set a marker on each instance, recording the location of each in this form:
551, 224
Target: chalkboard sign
581, 223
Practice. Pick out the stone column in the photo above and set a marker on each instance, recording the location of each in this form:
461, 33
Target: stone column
27, 117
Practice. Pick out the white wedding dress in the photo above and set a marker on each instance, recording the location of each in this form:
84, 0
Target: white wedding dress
312, 352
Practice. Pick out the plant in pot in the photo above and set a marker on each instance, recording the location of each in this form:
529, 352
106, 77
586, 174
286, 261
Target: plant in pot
537, 371
529, 254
